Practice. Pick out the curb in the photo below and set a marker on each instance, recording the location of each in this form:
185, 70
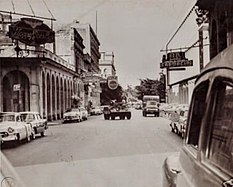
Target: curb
53, 123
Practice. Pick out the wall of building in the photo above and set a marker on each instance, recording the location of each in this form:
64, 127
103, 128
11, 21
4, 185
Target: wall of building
46, 87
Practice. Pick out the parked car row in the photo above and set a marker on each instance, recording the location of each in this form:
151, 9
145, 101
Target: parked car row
178, 122
17, 126
177, 113
167, 109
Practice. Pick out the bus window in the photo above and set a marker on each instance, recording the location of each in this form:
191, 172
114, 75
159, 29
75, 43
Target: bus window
221, 136
197, 113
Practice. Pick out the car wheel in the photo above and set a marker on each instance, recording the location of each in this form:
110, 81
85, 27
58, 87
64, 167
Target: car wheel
17, 141
42, 134
28, 138
33, 135
172, 129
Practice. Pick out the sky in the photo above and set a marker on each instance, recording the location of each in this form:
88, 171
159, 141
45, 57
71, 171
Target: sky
135, 30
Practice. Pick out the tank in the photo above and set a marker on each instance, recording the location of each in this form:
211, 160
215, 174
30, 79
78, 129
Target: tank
117, 110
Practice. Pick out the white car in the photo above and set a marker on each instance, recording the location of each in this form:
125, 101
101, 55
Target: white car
84, 113
13, 128
39, 125
72, 114
96, 111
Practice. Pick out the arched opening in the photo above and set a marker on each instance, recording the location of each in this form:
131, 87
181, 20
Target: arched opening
65, 94
48, 98
43, 90
53, 98
62, 97
16, 92
58, 98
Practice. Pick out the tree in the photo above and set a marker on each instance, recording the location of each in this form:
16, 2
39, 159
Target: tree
150, 87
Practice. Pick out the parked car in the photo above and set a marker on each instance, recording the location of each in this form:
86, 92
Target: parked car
72, 114
206, 158
96, 111
182, 123
175, 118
84, 113
13, 128
39, 125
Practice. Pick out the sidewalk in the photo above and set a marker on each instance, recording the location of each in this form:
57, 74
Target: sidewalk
55, 122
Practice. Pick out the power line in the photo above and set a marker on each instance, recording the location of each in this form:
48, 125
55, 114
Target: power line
20, 14
48, 9
180, 26
13, 5
31, 7
85, 13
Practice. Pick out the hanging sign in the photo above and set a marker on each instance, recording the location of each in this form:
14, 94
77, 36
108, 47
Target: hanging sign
175, 59
31, 32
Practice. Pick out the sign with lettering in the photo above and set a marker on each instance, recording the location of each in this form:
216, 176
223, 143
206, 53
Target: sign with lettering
16, 87
112, 82
176, 63
176, 56
31, 32
175, 59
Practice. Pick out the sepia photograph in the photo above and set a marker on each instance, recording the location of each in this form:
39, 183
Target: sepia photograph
116, 93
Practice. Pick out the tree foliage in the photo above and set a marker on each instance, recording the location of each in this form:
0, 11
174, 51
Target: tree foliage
150, 87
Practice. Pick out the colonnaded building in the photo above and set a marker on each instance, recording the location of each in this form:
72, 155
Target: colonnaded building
33, 78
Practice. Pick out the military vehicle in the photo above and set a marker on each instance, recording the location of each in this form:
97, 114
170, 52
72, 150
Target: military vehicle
117, 109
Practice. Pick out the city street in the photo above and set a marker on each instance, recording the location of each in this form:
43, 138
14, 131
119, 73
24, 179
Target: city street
97, 153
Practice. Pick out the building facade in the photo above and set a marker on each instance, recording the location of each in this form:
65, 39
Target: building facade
220, 17
106, 64
32, 78
42, 83
91, 77
69, 46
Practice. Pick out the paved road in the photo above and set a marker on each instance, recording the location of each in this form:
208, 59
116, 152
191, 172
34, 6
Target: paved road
97, 153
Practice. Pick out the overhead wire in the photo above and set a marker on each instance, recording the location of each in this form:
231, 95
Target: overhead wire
48, 9
31, 8
182, 23
13, 5
87, 12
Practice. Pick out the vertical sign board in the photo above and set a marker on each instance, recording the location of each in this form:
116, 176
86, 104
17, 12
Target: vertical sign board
112, 82
16, 87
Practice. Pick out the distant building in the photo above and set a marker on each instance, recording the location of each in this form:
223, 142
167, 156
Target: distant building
181, 90
69, 46
106, 64
91, 62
